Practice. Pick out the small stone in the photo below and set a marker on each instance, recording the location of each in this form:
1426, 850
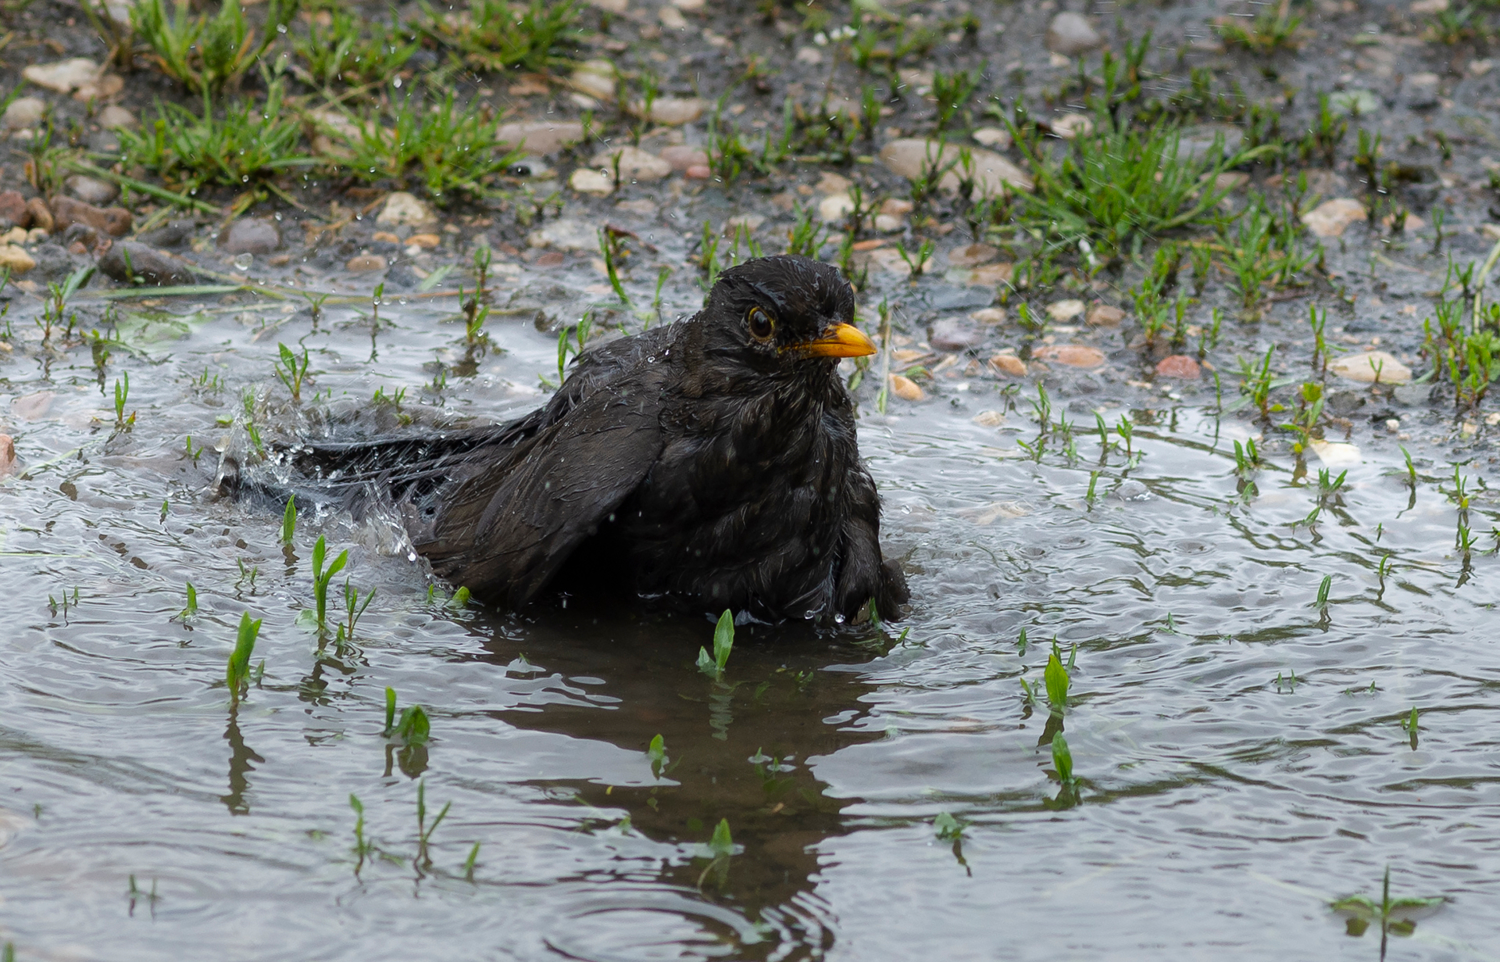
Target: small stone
174, 234
811, 56
688, 5
365, 264
16, 259
41, 214
1428, 6
992, 137
1104, 315
1062, 311
115, 117
102, 88
402, 208
830, 183
24, 113
1178, 366
1336, 454
146, 266
251, 235
742, 222
1370, 367
1009, 365
987, 275
698, 172
1070, 34
91, 190
63, 76
681, 157
595, 78
1393, 425
672, 18
539, 137
565, 234
1231, 180
425, 241
835, 207
636, 165
673, 111
896, 207
67, 211
1069, 126
886, 224
16, 235
949, 334
972, 255
990, 315
13, 211
991, 173
385, 237
595, 182
905, 388
34, 406
7, 453
1332, 217
989, 419
1072, 355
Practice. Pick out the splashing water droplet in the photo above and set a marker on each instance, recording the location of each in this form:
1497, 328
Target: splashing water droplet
243, 262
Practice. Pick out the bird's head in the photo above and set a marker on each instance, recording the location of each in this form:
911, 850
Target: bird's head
784, 312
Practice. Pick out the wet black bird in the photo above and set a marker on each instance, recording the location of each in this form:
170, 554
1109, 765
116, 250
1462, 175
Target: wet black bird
713, 460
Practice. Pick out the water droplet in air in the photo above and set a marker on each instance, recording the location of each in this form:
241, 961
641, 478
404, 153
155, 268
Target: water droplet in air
243, 262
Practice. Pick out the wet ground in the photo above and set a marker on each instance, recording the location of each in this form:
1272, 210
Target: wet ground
1245, 643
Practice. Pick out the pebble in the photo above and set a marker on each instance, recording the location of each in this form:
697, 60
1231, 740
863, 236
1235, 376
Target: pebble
972, 255
1104, 315
1428, 6
63, 76
990, 315
402, 208
895, 207
698, 172
811, 56
949, 334
251, 235
672, 18
992, 137
673, 111
1069, 126
13, 209
1061, 311
1009, 365
1336, 454
835, 207
595, 78
539, 137
992, 174
1362, 367
831, 183
7, 453
425, 241
1072, 355
586, 181
16, 259
886, 224
610, 6
1133, 490
24, 112
67, 211
1178, 366
147, 265
115, 117
566, 234
41, 214
365, 263
1070, 34
689, 5
747, 222
34, 406
636, 165
905, 388
681, 157
1332, 217
91, 190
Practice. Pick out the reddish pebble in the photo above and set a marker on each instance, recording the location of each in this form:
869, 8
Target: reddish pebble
1103, 315
682, 157
1179, 366
1009, 365
551, 259
7, 453
1073, 355
698, 172
905, 388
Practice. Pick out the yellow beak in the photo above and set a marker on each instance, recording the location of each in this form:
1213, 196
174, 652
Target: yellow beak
844, 340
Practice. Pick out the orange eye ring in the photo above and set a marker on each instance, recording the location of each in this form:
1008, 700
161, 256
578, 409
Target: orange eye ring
761, 324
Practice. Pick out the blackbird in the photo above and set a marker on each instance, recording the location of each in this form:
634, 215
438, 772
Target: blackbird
712, 461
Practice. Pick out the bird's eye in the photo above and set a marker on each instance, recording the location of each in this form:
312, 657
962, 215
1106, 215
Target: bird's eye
761, 324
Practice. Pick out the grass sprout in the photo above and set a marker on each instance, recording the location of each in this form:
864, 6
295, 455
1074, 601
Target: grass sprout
237, 671
723, 644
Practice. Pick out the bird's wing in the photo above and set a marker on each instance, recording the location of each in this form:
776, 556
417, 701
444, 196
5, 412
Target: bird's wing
506, 529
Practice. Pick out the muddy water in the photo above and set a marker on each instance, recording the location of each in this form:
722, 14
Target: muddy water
1239, 748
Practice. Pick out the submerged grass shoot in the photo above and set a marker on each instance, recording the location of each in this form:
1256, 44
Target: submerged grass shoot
237, 672
723, 644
